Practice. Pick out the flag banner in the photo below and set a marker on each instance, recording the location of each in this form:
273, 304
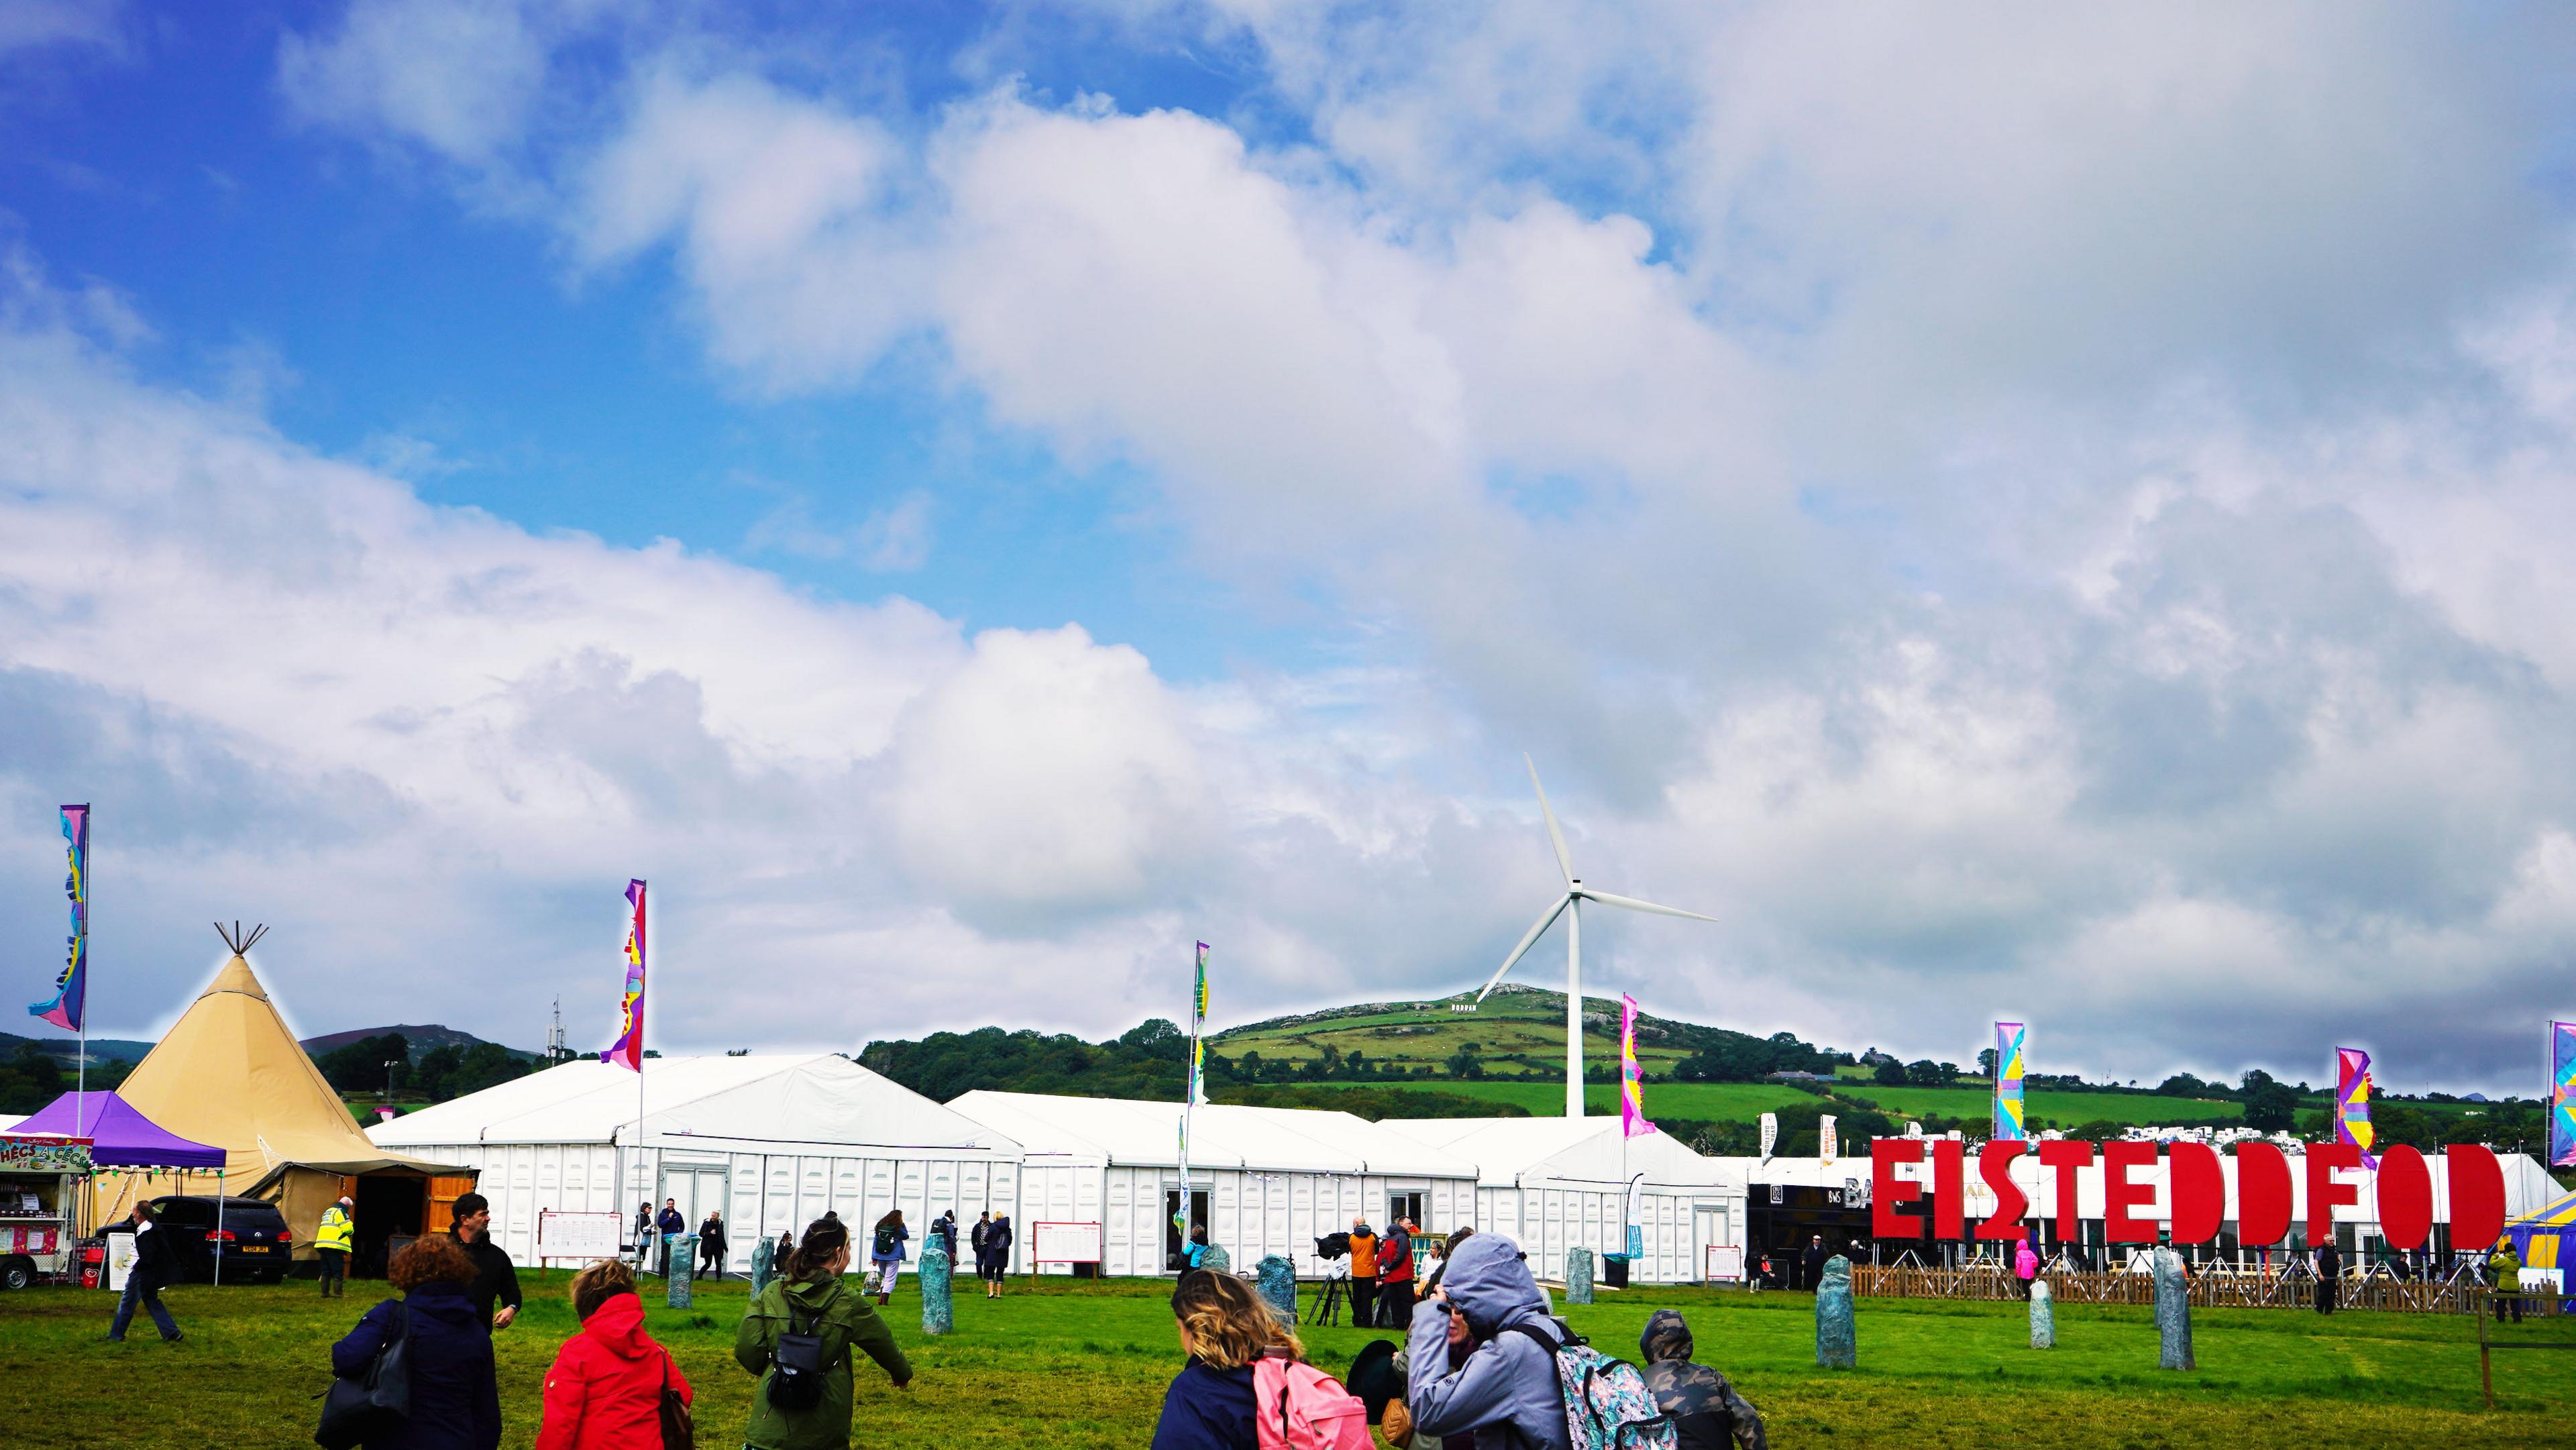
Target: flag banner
2562, 1094
1632, 1078
2352, 1101
71, 988
1197, 1085
629, 1047
1770, 1134
2011, 1123
1828, 1145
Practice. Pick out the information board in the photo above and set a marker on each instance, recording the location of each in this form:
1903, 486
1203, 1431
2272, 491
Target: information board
583, 1236
1064, 1243
1725, 1264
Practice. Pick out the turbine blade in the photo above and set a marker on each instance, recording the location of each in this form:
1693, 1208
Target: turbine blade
1546, 920
1633, 904
1555, 837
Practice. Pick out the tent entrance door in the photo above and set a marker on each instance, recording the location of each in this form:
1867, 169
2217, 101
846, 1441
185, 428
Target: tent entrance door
696, 1191
1172, 1250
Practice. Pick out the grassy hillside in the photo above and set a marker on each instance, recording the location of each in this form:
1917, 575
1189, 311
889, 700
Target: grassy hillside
1514, 1024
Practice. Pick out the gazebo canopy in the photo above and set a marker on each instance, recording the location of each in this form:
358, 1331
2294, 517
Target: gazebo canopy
120, 1136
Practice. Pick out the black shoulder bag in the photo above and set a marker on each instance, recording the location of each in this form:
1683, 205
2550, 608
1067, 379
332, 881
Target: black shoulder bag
679, 1432
375, 1404
796, 1366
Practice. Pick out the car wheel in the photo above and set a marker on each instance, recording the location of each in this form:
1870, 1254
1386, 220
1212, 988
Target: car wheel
17, 1274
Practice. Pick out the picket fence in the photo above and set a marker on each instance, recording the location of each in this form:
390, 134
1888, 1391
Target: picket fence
2212, 1287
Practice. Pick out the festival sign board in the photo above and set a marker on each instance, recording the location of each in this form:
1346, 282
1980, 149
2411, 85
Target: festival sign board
584, 1236
1064, 1243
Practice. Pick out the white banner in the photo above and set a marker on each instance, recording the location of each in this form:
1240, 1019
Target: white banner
584, 1236
1770, 1134
1826, 1144
1064, 1243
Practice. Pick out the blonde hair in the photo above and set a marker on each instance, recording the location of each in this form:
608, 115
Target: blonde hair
1227, 1324
602, 1281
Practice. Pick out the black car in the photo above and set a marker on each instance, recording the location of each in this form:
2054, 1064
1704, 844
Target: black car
253, 1239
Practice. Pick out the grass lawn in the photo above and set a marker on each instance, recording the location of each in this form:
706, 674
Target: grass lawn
1710, 1101
2062, 1108
1719, 1102
1085, 1365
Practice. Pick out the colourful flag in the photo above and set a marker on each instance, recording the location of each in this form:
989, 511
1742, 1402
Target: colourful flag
1194, 1090
1770, 1134
1828, 1142
2010, 1122
68, 1010
1632, 1079
2352, 1100
628, 1049
2562, 1094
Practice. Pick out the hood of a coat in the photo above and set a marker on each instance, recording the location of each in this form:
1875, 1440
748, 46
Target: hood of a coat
446, 1302
1490, 1283
812, 1294
618, 1326
1667, 1336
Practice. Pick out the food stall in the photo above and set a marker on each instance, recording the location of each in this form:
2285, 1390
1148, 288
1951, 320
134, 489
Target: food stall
118, 1143
40, 1176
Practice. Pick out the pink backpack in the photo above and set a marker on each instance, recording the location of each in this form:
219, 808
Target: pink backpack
1296, 1406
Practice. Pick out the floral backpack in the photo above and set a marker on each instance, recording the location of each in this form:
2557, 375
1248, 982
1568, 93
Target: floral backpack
1607, 1404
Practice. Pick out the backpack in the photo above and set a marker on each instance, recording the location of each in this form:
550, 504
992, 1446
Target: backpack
1296, 1406
886, 1241
1607, 1404
796, 1366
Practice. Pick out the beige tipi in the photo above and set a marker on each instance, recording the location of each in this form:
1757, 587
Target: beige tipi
228, 1073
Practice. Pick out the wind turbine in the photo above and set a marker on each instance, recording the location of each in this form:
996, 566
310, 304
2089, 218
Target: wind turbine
1570, 906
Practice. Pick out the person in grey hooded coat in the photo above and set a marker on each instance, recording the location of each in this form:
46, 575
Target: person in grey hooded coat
1506, 1392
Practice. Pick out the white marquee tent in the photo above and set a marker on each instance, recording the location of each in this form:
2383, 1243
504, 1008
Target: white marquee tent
1561, 1183
772, 1140
1266, 1180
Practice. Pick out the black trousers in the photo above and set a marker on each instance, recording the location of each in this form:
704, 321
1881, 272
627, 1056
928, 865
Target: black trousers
1363, 1301
710, 1257
2325, 1296
2500, 1305
1395, 1304
335, 1270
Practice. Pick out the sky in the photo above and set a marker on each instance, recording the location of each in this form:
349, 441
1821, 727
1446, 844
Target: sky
2017, 512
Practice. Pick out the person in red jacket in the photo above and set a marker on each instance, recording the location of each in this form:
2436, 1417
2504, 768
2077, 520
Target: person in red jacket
605, 1390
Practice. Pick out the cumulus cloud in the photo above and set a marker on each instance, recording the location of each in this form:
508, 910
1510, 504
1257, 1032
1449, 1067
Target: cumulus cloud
2011, 509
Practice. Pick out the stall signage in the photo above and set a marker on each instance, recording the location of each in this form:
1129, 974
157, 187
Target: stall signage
44, 1155
2197, 1204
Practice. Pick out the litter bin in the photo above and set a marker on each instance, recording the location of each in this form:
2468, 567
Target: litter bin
1614, 1270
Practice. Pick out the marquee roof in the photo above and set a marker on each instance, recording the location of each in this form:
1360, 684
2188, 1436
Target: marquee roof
801, 1100
1129, 1133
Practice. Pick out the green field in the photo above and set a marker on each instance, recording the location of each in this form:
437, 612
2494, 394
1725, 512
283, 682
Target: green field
1513, 1020
2062, 1108
1719, 1102
1085, 1365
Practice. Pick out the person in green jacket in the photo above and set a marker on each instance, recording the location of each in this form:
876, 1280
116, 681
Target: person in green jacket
811, 1286
2504, 1275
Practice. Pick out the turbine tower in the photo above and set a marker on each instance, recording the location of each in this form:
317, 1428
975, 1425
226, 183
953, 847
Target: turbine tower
1570, 906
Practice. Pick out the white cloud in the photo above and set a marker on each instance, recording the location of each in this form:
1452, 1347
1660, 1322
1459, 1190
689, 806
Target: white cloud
27, 25
460, 77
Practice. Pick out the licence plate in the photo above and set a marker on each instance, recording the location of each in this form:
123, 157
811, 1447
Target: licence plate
253, 1248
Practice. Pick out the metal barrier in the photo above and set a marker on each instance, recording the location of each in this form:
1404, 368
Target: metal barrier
2212, 1287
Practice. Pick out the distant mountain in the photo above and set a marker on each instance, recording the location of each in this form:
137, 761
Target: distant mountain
101, 1049
423, 1038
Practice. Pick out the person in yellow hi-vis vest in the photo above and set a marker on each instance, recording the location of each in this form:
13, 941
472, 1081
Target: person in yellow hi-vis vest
332, 1238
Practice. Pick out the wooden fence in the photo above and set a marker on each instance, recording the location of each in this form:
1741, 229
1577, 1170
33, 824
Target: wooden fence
2212, 1287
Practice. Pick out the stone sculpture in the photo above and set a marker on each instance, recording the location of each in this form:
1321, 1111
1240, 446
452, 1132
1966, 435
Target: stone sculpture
1578, 1276
938, 1315
2173, 1312
2043, 1316
1837, 1344
1275, 1280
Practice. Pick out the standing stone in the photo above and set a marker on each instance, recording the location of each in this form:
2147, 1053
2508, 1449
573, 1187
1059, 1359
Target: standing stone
1275, 1280
1837, 1344
761, 1267
937, 1315
2173, 1312
2043, 1316
1578, 1276
1216, 1260
684, 1249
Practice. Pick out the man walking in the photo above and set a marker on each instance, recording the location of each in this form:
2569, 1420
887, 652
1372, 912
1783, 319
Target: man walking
154, 1267
1395, 1275
1811, 1264
2329, 1275
1363, 1274
331, 1239
711, 1245
669, 1223
496, 1279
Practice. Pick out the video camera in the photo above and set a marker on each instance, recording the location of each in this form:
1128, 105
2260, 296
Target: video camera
1333, 1246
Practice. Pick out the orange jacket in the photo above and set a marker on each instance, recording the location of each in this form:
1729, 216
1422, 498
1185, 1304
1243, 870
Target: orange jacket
605, 1391
1363, 1256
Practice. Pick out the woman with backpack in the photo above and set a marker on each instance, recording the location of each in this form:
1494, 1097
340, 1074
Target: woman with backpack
606, 1389
886, 1254
455, 1398
1505, 1390
993, 1256
1243, 1363
797, 1337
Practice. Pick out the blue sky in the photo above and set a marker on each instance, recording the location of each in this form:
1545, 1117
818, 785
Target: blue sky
2018, 513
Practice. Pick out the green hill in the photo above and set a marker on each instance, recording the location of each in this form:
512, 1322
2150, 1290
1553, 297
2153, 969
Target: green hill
1516, 1031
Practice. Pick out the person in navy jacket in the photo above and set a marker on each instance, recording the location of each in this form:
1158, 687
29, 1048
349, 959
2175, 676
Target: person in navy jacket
455, 1398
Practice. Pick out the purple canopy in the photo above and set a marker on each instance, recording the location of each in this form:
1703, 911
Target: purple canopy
120, 1136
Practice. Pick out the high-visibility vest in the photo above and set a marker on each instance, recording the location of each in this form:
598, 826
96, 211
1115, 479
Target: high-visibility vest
333, 1232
